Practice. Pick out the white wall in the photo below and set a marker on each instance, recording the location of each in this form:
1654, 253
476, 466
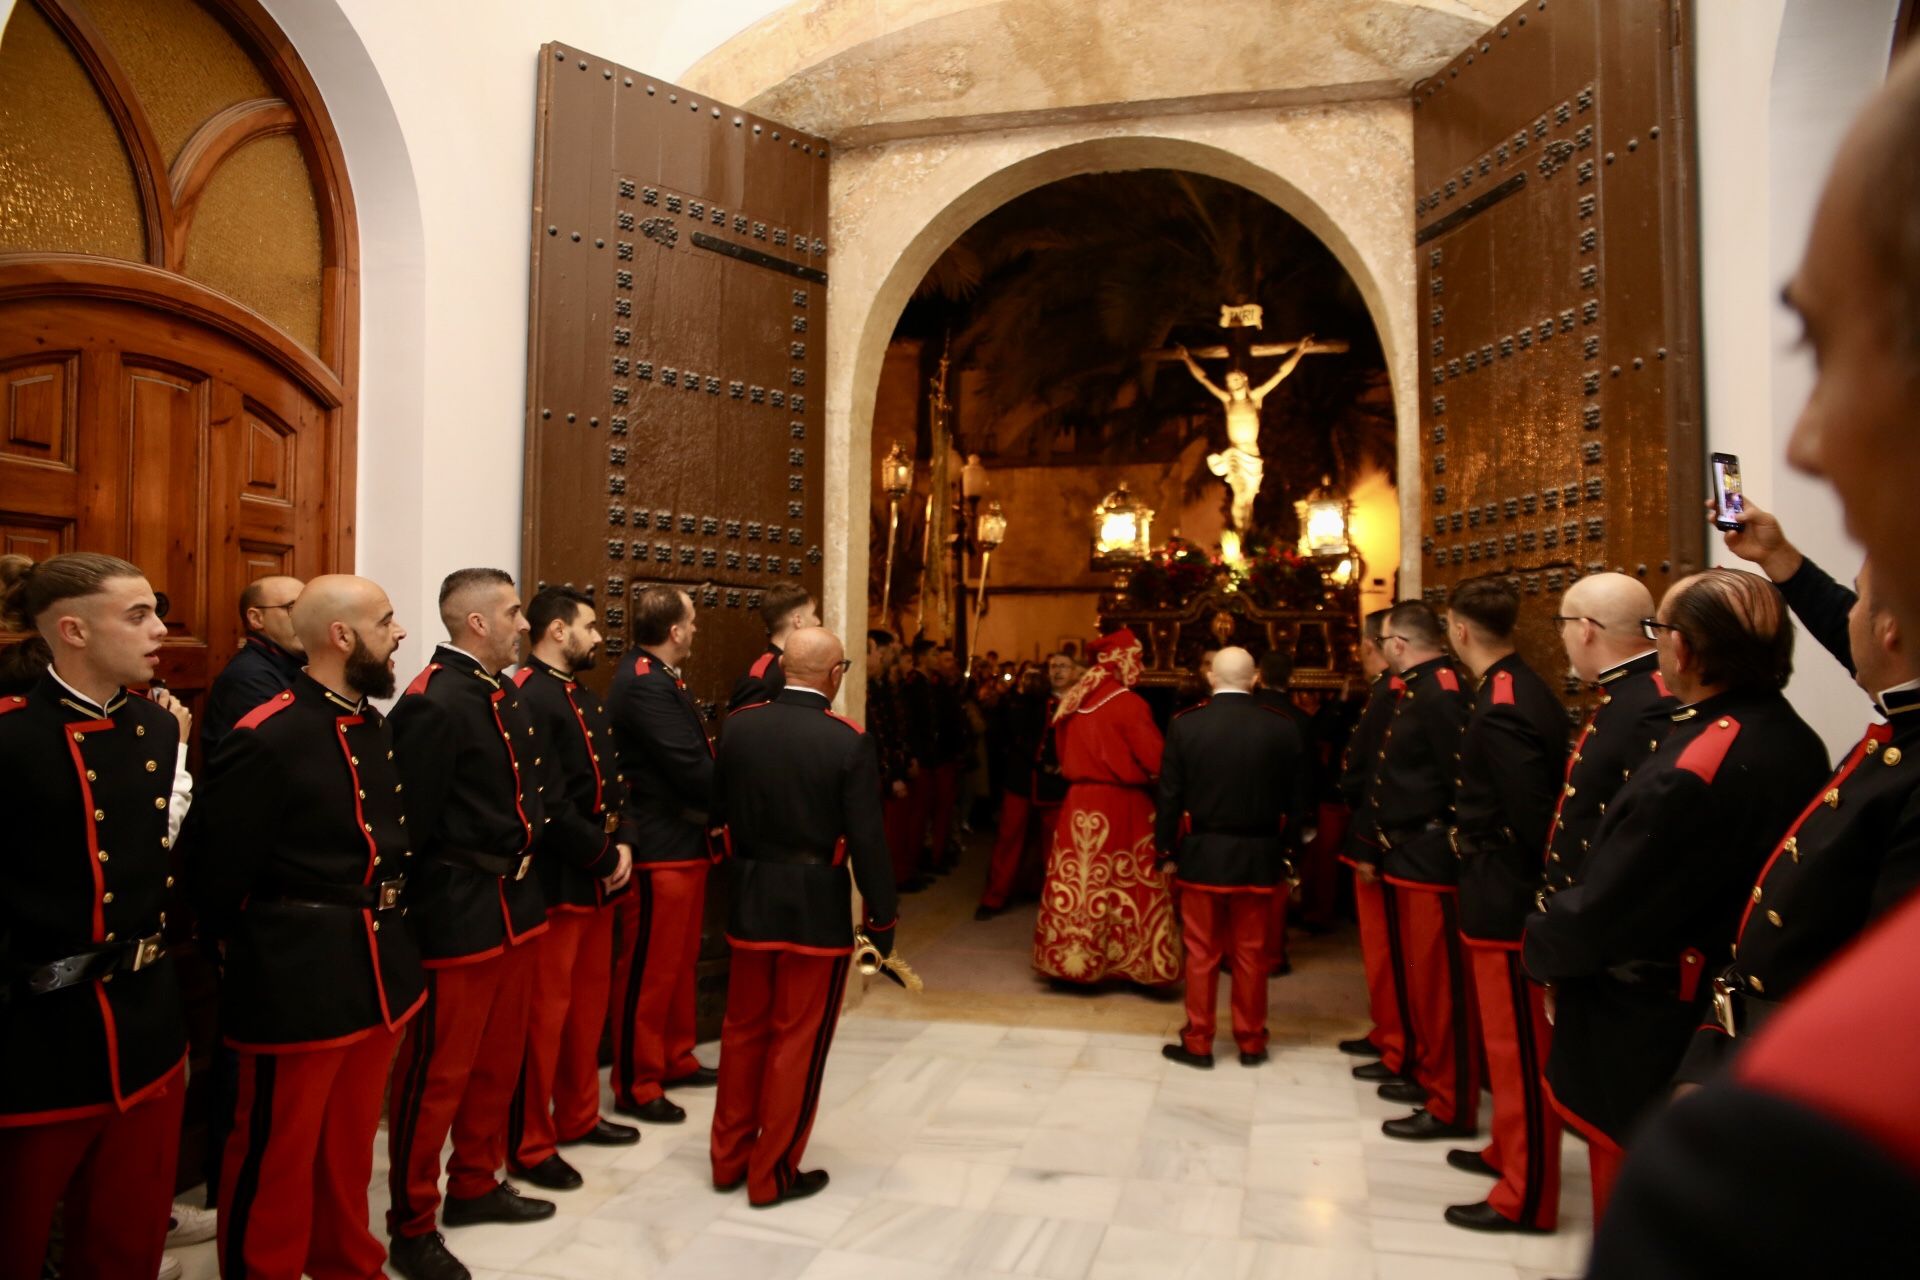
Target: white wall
1777, 81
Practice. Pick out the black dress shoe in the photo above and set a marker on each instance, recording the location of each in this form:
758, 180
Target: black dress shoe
1484, 1217
811, 1182
698, 1078
1376, 1072
551, 1174
425, 1258
661, 1110
1252, 1059
1471, 1162
1405, 1092
985, 912
1281, 970
1422, 1127
502, 1204
605, 1133
1186, 1057
1361, 1048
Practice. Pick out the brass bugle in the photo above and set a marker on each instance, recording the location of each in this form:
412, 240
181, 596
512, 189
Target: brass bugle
871, 963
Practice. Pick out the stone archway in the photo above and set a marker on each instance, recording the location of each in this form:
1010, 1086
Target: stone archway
1342, 172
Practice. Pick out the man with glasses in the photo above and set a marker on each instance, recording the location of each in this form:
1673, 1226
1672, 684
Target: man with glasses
1627, 948
268, 660
1411, 804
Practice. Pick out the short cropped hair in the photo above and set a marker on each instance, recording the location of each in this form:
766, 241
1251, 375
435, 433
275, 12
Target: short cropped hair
1375, 624
657, 610
1491, 604
781, 601
461, 581
1276, 668
1736, 624
555, 604
1416, 620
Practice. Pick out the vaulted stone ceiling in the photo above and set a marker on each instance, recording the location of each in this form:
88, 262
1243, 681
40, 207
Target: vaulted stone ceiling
867, 70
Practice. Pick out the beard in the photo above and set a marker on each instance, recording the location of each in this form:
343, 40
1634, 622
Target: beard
581, 659
371, 677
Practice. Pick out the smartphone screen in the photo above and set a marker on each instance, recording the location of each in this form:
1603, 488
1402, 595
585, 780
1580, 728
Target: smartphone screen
1726, 491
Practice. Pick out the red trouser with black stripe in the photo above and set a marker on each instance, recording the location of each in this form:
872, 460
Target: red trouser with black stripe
653, 991
782, 1007
114, 1171
1376, 904
458, 1063
1526, 1131
1440, 996
1231, 925
293, 1179
558, 1098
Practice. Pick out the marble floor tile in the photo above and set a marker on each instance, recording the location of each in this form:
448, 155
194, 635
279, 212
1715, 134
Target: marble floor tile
1181, 1207
1041, 1193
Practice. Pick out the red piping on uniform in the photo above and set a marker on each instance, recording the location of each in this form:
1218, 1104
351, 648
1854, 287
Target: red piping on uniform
1420, 885
586, 735
1573, 758
851, 724
455, 962
795, 947
1875, 733
1576, 1123
20, 1119
93, 833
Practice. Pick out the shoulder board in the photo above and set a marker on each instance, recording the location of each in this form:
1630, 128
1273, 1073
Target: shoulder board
750, 706
1503, 688
419, 684
271, 707
1706, 753
851, 724
760, 665
643, 665
13, 703
1396, 684
521, 677
1660, 683
1444, 677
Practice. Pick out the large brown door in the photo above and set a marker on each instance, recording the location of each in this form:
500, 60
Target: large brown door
1559, 307
678, 316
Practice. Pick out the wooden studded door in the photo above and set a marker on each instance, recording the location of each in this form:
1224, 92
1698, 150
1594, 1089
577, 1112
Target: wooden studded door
678, 311
1559, 306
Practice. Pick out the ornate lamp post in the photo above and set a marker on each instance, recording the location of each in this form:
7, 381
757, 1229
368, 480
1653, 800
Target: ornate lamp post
1323, 522
896, 476
989, 532
1122, 534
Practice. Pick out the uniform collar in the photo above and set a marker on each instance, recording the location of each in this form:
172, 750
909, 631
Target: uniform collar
541, 664
85, 703
1422, 668
1509, 662
799, 693
1635, 665
662, 663
1248, 693
274, 652
1899, 699
1722, 702
351, 706
468, 662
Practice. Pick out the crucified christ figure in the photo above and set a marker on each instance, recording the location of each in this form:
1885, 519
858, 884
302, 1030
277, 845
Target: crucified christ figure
1239, 464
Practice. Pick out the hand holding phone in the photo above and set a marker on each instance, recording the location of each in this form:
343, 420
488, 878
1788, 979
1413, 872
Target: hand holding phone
1728, 500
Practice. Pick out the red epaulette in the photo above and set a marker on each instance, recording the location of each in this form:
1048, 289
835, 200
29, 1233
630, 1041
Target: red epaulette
271, 707
759, 667
520, 677
1660, 683
1706, 753
419, 684
1503, 688
12, 703
642, 665
1444, 677
851, 724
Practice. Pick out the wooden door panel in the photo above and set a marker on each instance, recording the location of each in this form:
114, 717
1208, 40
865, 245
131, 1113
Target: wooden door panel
39, 422
167, 411
22, 535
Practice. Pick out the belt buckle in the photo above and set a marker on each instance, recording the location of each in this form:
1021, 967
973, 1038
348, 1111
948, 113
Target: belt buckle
146, 951
520, 871
390, 894
1723, 1007
612, 823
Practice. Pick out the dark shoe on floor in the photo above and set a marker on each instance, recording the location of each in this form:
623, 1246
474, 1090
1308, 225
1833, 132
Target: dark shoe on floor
1471, 1162
1484, 1217
916, 885
1405, 1092
659, 1111
698, 1078
985, 912
1281, 970
1252, 1059
1186, 1057
805, 1184
551, 1174
502, 1204
725, 1188
1375, 1072
425, 1258
605, 1133
1361, 1048
1421, 1126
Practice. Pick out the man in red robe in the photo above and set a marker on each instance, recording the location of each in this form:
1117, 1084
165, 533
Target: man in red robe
1106, 910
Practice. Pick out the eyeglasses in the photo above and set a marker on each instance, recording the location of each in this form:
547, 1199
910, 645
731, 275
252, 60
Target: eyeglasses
1652, 628
842, 667
1560, 619
1402, 639
264, 607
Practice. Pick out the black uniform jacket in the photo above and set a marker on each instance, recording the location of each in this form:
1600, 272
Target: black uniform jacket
799, 790
302, 813
85, 869
1512, 759
257, 673
1410, 799
467, 754
764, 678
1853, 853
1360, 763
1626, 726
1232, 777
1033, 763
1628, 947
585, 792
666, 759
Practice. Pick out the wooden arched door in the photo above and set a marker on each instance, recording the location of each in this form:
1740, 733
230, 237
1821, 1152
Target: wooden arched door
177, 306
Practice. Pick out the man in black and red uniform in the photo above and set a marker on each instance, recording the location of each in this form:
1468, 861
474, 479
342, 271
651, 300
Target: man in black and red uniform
1273, 690
92, 1034
1410, 801
1627, 948
585, 856
798, 788
1030, 799
668, 764
297, 856
786, 610
267, 663
467, 756
1231, 781
1512, 759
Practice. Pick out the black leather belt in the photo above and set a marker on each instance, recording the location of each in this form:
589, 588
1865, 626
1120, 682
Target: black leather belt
787, 856
1470, 844
1402, 835
488, 864
382, 895
118, 957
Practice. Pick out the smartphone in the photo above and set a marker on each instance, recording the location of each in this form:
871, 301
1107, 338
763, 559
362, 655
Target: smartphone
1726, 491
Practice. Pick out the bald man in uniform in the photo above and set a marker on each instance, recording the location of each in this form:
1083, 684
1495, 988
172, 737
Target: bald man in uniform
296, 855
